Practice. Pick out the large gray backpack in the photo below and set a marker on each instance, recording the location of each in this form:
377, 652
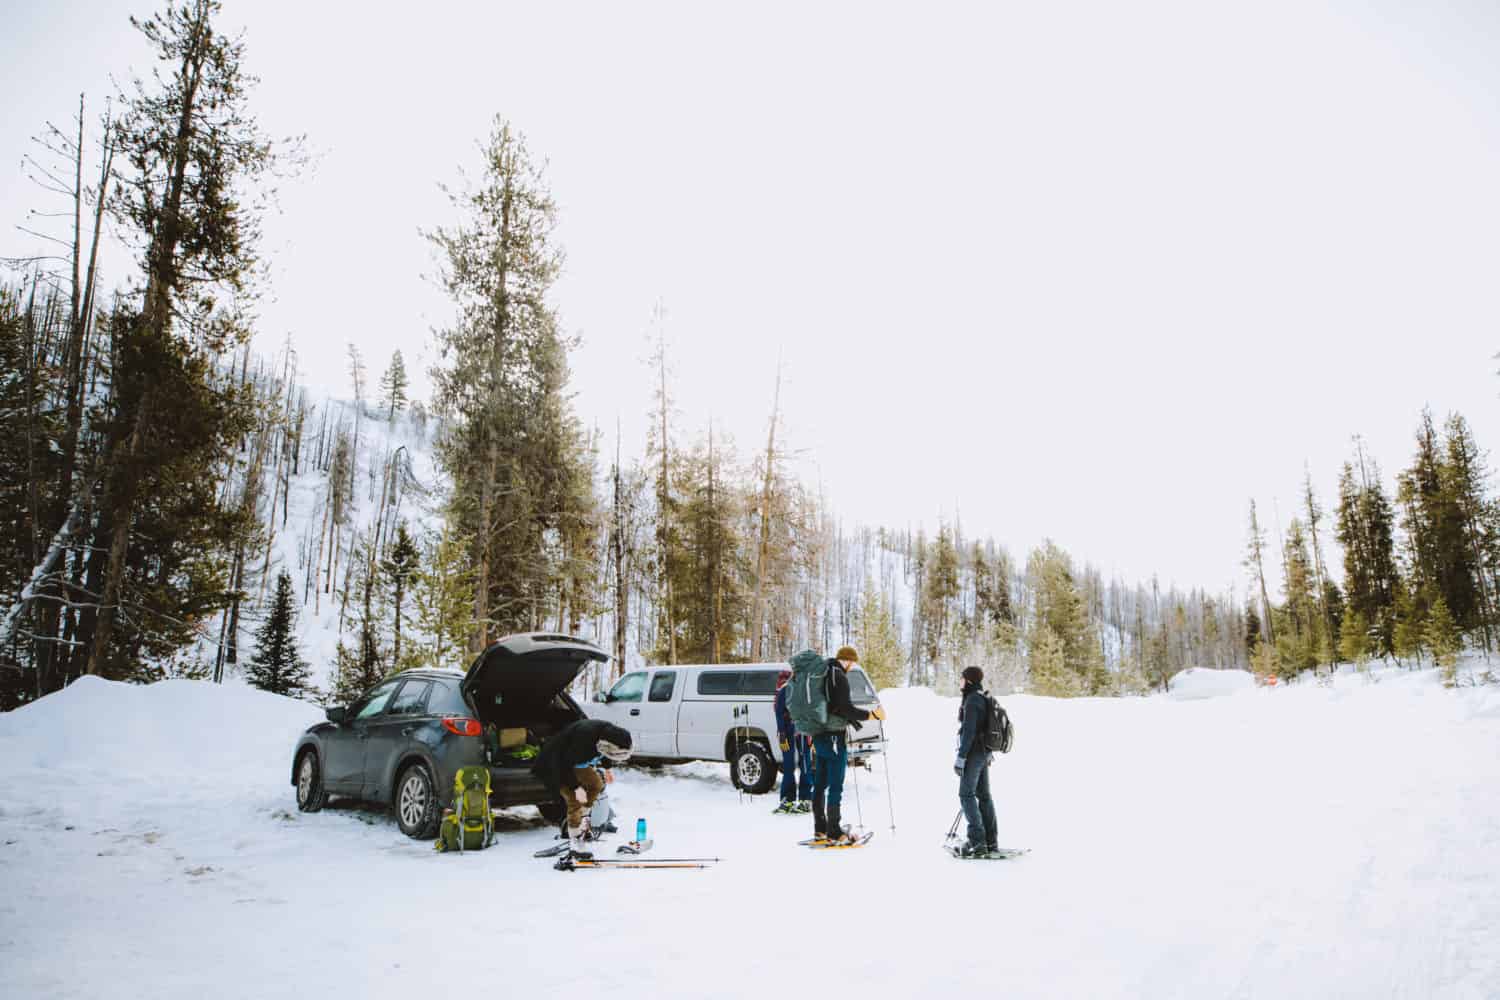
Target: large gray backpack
807, 696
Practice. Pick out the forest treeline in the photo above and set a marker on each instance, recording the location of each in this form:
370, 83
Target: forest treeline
171, 503
1421, 564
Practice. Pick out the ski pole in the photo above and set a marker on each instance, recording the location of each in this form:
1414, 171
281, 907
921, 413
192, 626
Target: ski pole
641, 861
890, 796
858, 806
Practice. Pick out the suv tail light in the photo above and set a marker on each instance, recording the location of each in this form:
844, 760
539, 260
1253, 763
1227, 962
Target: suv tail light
459, 726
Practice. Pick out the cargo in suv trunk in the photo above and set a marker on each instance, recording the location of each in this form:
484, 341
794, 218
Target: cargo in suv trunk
520, 683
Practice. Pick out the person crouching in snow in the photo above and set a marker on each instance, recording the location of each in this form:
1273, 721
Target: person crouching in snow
830, 750
973, 767
796, 771
567, 767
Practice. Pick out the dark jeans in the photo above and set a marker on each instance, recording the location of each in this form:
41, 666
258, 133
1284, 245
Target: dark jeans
796, 771
830, 760
974, 796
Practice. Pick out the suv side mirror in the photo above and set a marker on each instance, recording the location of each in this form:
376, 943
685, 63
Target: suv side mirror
338, 715
602, 697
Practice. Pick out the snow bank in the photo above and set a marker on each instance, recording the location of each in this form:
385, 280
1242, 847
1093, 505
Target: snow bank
1196, 682
156, 729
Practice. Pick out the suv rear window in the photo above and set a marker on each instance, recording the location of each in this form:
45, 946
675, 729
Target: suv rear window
737, 682
446, 700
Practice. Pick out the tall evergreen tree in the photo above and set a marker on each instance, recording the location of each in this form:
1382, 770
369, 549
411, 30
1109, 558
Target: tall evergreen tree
878, 641
186, 198
1465, 482
1442, 563
513, 438
277, 665
1364, 529
1255, 561
393, 387
400, 565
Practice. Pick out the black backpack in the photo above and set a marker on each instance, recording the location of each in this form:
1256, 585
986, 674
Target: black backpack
999, 734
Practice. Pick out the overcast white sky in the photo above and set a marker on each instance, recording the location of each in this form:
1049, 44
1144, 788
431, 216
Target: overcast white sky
1092, 271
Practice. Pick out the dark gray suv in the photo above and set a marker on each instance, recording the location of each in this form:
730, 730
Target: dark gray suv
403, 741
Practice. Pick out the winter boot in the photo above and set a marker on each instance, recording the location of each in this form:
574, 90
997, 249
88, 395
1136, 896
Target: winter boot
973, 851
785, 809
805, 806
837, 832
578, 838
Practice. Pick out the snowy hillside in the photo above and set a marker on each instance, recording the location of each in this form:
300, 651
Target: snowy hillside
1294, 842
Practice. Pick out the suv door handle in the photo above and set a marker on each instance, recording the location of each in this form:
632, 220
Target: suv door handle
407, 731
635, 711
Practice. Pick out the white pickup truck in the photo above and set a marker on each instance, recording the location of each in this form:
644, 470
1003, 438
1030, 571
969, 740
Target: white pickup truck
719, 712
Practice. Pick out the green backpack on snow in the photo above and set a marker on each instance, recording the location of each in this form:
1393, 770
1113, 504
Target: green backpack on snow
807, 696
469, 825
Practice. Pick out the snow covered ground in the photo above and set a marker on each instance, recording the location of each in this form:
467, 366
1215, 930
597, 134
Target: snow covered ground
1309, 841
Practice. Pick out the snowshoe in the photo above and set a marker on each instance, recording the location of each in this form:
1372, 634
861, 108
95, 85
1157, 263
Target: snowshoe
847, 841
785, 809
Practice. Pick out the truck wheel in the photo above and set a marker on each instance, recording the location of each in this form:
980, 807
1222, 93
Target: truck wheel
751, 769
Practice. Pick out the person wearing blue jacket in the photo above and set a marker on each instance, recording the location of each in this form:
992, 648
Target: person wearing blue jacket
796, 769
973, 767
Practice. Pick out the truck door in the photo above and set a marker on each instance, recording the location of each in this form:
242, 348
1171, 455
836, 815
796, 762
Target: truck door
655, 725
623, 703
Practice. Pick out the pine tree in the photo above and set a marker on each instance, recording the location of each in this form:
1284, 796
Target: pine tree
393, 387
1409, 636
1363, 525
359, 669
401, 563
1299, 643
444, 603
1443, 639
1464, 482
1254, 560
710, 577
1354, 638
187, 199
1049, 670
1060, 625
277, 665
878, 641
512, 442
940, 588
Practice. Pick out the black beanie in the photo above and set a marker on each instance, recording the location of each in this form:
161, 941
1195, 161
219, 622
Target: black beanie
973, 675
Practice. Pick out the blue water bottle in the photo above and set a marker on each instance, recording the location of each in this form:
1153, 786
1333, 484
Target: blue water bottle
640, 830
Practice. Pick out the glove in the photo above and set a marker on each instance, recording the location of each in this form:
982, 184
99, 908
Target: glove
958, 765
877, 713
785, 745
581, 795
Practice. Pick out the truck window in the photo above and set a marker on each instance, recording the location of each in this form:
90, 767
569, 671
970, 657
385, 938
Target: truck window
662, 683
629, 688
759, 682
719, 682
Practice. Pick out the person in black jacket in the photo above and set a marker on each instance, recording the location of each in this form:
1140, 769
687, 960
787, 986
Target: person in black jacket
973, 767
830, 750
566, 767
